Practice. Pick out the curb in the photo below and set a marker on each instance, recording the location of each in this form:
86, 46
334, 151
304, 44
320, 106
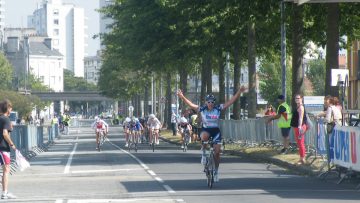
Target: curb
300, 170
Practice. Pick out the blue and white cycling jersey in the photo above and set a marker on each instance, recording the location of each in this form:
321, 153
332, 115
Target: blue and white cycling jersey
210, 118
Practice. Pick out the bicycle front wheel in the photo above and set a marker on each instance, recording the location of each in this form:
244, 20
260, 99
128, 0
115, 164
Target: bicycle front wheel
211, 170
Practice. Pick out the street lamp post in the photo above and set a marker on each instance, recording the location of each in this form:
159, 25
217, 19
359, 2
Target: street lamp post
283, 50
228, 83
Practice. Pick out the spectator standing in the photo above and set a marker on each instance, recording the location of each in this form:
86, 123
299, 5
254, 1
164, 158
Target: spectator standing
284, 116
298, 122
5, 144
270, 111
173, 123
333, 114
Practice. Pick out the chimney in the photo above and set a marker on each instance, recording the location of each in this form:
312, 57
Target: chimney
13, 44
48, 43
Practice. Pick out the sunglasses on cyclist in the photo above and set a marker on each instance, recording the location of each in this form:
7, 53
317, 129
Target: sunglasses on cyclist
210, 102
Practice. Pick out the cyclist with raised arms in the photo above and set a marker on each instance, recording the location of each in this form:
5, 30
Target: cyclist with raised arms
100, 126
184, 127
154, 127
210, 115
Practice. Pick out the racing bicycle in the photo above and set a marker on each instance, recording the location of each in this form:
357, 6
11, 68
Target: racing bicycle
186, 140
101, 140
133, 141
209, 167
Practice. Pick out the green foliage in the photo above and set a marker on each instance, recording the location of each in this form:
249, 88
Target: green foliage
36, 84
72, 83
23, 104
316, 74
5, 73
270, 80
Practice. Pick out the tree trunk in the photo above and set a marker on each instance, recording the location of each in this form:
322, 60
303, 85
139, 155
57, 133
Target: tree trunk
221, 81
332, 46
168, 109
237, 73
183, 86
252, 71
297, 53
146, 98
208, 74
203, 81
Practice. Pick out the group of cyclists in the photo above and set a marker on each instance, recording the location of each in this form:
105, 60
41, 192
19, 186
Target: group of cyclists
142, 130
149, 128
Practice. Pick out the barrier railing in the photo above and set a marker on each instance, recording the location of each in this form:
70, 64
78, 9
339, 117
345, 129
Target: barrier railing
340, 150
32, 140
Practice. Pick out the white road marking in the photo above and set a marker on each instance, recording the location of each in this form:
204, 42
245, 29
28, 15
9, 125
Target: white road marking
123, 200
59, 201
44, 162
159, 179
151, 172
67, 167
147, 169
169, 189
104, 171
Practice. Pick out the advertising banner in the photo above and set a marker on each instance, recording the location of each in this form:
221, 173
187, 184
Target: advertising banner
344, 147
321, 138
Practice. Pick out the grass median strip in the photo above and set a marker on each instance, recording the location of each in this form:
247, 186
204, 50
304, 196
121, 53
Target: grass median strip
261, 153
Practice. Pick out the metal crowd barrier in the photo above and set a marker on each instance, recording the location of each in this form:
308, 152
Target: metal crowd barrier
31, 140
339, 150
255, 132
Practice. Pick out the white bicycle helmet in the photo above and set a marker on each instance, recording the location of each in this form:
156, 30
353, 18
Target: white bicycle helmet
183, 120
127, 119
152, 116
97, 118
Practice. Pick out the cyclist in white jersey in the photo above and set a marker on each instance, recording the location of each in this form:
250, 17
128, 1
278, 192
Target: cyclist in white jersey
154, 126
210, 115
126, 126
99, 125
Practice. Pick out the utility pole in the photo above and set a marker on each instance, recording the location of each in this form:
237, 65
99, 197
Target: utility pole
227, 83
283, 50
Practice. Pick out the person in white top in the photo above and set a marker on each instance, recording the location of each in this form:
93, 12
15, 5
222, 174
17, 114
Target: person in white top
126, 126
333, 113
100, 126
154, 126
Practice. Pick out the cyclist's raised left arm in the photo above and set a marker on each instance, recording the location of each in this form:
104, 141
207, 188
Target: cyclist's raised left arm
234, 98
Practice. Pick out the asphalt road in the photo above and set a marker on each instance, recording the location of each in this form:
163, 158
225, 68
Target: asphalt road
73, 171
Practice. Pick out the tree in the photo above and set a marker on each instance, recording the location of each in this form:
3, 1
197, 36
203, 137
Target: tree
316, 74
72, 83
5, 73
270, 80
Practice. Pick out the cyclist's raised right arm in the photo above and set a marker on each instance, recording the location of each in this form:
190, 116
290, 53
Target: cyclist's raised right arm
187, 101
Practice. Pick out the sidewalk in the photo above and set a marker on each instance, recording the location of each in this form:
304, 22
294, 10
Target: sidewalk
313, 167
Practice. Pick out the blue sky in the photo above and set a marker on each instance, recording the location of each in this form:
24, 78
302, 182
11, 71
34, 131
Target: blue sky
16, 16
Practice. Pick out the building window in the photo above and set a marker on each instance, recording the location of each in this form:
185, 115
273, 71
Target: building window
91, 75
56, 11
56, 32
56, 42
56, 21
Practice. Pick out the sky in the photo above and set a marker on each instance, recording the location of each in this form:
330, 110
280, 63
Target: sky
16, 16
